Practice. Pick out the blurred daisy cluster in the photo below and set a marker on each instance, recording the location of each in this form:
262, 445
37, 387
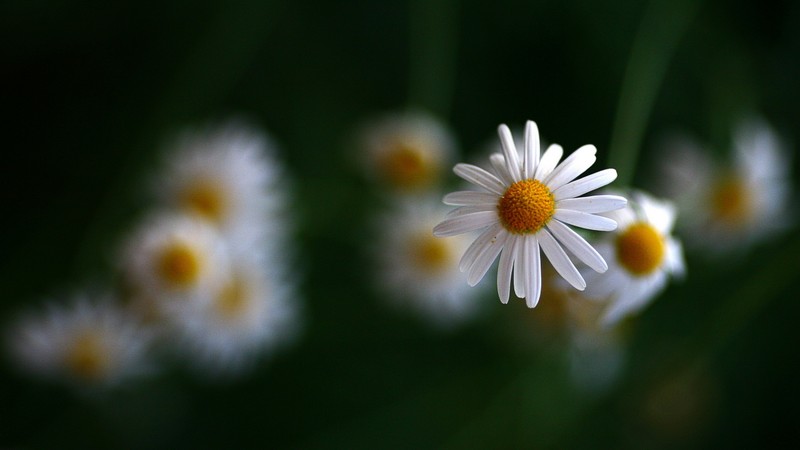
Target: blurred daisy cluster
202, 277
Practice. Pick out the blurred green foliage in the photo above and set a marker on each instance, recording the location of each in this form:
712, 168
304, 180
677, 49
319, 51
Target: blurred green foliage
92, 89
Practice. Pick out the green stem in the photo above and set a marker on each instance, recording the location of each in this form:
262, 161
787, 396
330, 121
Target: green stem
663, 24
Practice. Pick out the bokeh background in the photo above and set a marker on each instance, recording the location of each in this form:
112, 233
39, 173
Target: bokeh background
92, 90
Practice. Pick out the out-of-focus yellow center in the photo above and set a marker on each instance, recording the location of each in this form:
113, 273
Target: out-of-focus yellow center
730, 201
640, 249
205, 198
86, 358
432, 254
526, 207
406, 166
231, 302
179, 265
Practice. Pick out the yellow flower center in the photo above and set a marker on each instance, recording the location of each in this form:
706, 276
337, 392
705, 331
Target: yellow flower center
179, 265
406, 166
206, 199
231, 302
640, 249
730, 201
86, 358
526, 206
432, 254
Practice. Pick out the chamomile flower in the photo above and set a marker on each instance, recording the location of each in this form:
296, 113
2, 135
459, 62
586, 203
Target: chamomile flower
642, 256
252, 312
418, 270
175, 261
528, 205
90, 342
733, 206
408, 152
229, 176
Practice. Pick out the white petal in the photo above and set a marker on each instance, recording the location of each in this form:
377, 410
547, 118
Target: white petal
480, 177
585, 184
578, 246
560, 260
464, 210
575, 164
593, 204
485, 259
520, 267
498, 162
478, 246
531, 158
585, 220
533, 278
549, 161
505, 266
469, 198
509, 151
465, 223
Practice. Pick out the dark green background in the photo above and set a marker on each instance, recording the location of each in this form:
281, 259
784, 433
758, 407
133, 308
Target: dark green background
92, 89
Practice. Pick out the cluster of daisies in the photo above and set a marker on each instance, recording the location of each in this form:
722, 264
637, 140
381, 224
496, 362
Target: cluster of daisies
600, 254
203, 277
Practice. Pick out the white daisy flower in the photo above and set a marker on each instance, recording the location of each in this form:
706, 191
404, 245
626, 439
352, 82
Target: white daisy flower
229, 176
526, 206
251, 313
417, 269
87, 342
175, 261
733, 207
642, 255
408, 152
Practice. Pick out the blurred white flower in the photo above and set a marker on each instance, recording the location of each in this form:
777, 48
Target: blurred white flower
88, 342
252, 312
642, 254
418, 270
406, 152
229, 176
731, 207
528, 205
175, 261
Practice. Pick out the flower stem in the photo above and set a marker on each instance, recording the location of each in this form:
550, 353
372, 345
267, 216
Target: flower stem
663, 24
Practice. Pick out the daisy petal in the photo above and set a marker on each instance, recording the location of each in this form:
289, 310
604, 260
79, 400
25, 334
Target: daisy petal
480, 177
560, 260
485, 259
520, 267
585, 184
478, 246
578, 246
469, 198
531, 158
464, 210
465, 223
498, 162
509, 151
505, 266
585, 220
575, 164
533, 278
549, 161
594, 204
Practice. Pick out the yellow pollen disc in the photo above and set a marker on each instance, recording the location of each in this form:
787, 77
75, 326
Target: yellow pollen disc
407, 166
730, 201
179, 265
232, 300
432, 254
206, 199
640, 249
526, 207
86, 358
